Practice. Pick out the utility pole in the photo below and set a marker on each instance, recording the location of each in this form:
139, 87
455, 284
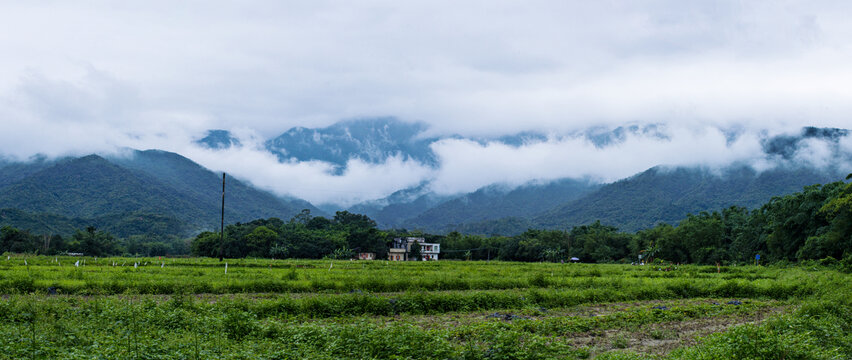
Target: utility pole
222, 228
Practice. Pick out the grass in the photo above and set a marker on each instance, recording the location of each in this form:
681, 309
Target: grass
264, 309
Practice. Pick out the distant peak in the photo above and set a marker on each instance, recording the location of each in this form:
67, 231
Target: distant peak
90, 158
218, 139
372, 140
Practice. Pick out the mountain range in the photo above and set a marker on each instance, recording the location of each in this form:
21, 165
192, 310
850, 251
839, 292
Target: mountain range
159, 193
141, 192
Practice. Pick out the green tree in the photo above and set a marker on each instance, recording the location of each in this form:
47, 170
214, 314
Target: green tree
703, 237
794, 218
14, 240
340, 254
94, 243
552, 254
259, 241
303, 217
205, 244
666, 245
836, 240
353, 221
415, 252
601, 243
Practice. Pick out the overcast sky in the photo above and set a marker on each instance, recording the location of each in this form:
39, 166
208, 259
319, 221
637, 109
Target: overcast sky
86, 76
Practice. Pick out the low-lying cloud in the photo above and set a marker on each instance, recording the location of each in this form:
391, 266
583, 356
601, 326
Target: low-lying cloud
313, 181
466, 165
98, 77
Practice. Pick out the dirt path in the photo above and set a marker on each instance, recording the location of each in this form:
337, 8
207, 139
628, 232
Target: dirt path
662, 338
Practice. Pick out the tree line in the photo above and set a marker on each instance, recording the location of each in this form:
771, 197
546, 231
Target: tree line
91, 242
815, 223
305, 236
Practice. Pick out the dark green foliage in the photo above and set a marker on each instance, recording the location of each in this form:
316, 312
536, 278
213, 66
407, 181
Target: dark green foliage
41, 223
642, 201
415, 252
793, 219
15, 240
152, 193
89, 187
304, 236
93, 243
667, 195
813, 224
494, 203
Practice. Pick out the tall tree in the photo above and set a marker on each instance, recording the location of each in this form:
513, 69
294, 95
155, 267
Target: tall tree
415, 254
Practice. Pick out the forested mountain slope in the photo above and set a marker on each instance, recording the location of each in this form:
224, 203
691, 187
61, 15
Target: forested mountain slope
148, 192
668, 195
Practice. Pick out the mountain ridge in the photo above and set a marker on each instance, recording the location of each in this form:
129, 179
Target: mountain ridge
162, 187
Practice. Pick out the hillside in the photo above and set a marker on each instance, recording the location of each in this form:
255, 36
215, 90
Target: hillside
89, 187
41, 223
149, 192
658, 195
392, 210
667, 195
244, 202
495, 202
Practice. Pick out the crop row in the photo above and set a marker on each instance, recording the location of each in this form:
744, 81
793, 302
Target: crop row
175, 279
335, 305
186, 329
112, 327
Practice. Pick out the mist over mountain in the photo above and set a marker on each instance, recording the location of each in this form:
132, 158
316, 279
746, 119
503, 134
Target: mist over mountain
371, 140
125, 190
12, 171
786, 146
667, 194
374, 140
218, 139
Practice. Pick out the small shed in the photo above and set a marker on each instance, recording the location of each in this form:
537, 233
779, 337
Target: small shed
366, 256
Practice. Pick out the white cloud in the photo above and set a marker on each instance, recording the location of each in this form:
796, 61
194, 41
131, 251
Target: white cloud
546, 65
312, 180
846, 144
815, 152
80, 78
467, 165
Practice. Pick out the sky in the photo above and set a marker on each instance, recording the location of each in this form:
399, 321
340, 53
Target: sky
96, 76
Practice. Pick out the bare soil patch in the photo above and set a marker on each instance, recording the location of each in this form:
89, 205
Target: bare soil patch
662, 338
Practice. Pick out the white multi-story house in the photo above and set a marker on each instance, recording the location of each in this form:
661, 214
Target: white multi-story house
401, 248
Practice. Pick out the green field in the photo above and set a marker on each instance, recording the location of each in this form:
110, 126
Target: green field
281, 309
